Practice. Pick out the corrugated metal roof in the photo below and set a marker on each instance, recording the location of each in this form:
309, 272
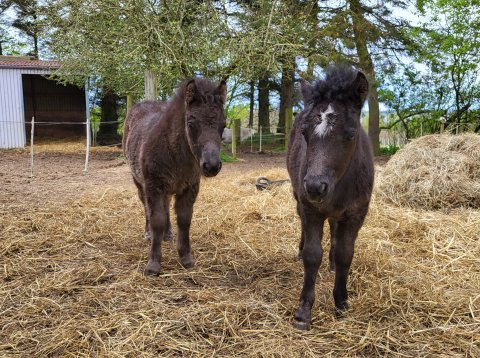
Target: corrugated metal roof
30, 64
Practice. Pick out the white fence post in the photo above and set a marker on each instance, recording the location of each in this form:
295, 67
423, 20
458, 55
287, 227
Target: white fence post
32, 129
87, 125
251, 140
261, 130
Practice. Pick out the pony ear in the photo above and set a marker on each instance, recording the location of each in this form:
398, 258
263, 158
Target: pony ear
222, 91
190, 92
307, 90
360, 85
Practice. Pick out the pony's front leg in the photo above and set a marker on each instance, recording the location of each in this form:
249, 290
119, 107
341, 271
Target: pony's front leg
333, 233
346, 234
158, 218
312, 253
184, 209
302, 235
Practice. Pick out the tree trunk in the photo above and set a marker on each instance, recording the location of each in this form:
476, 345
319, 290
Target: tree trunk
108, 131
366, 64
35, 46
252, 103
150, 86
312, 21
405, 127
263, 105
129, 102
374, 118
35, 32
286, 95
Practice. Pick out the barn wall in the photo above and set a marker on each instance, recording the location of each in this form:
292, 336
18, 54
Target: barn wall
55, 103
14, 132
12, 129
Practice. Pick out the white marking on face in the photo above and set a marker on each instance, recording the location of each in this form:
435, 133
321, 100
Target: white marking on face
324, 127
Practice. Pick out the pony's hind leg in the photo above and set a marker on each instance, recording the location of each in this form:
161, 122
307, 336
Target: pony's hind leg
169, 235
333, 233
147, 236
184, 209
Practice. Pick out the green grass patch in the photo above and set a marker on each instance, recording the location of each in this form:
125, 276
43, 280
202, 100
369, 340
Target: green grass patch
226, 158
278, 149
389, 150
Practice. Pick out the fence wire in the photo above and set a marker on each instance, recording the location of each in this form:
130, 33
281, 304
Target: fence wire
258, 139
93, 129
263, 139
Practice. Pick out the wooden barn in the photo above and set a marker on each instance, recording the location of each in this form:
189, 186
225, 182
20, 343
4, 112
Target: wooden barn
26, 91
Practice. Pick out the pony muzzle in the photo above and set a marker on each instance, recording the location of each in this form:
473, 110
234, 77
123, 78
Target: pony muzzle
210, 163
317, 188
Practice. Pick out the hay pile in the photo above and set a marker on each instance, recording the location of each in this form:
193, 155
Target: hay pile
72, 282
434, 172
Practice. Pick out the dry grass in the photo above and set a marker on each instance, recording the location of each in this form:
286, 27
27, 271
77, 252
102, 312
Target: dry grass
72, 282
435, 172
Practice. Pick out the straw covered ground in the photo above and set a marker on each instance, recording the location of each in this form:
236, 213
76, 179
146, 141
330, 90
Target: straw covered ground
72, 282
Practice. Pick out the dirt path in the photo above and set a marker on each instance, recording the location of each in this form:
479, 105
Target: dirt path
59, 172
59, 175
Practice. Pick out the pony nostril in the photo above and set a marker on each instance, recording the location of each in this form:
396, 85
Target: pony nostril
323, 188
316, 189
206, 166
216, 168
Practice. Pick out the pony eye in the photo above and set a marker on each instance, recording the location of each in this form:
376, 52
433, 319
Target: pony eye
191, 121
350, 134
304, 130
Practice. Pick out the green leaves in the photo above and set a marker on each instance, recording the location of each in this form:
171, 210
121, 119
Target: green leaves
118, 41
451, 48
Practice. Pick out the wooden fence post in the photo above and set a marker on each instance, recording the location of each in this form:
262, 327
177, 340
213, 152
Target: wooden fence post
234, 139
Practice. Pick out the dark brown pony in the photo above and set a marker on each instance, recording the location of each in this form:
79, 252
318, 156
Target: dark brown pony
169, 146
331, 168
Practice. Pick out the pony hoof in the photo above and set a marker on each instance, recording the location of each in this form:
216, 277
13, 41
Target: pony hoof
341, 310
331, 268
303, 326
169, 236
152, 268
147, 236
187, 261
